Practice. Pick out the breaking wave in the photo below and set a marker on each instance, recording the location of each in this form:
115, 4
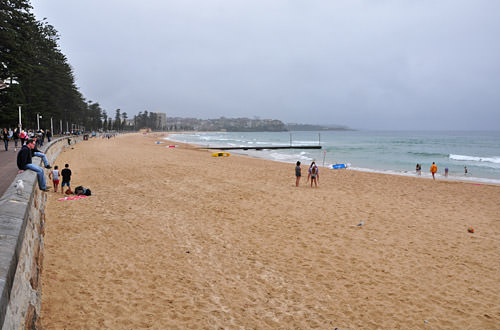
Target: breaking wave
495, 160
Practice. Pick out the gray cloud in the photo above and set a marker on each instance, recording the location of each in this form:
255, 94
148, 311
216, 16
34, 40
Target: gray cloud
365, 64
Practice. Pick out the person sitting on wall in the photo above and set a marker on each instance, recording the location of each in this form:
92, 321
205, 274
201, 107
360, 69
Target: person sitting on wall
37, 153
24, 163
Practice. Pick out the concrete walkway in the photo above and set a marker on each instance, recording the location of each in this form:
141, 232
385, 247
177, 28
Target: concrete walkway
8, 165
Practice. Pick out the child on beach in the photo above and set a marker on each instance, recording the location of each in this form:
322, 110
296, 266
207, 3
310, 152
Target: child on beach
54, 176
297, 174
66, 178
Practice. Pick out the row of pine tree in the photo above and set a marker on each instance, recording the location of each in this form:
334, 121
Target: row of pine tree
36, 75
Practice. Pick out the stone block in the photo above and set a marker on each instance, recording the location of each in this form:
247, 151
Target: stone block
9, 253
14, 208
8, 264
11, 226
31, 320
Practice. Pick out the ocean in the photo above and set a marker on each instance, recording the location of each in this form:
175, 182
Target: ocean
391, 152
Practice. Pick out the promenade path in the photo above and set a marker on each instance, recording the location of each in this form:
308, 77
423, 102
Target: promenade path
8, 166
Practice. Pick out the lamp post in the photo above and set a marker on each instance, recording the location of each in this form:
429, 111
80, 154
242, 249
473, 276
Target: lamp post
20, 125
38, 121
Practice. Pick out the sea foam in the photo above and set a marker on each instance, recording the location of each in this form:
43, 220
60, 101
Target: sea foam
495, 160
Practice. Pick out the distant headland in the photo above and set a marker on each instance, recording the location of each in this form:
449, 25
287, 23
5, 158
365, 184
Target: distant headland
308, 127
243, 125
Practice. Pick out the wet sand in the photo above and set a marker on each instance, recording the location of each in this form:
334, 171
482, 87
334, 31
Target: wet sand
173, 238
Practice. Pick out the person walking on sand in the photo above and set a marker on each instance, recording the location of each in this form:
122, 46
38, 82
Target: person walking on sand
66, 178
24, 163
54, 176
434, 169
297, 174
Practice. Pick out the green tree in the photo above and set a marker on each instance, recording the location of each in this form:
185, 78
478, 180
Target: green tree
117, 125
124, 120
30, 56
105, 121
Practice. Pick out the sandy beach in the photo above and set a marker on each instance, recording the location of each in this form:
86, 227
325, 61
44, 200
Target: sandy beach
173, 238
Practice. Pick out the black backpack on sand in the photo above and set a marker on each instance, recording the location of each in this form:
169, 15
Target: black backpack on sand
82, 191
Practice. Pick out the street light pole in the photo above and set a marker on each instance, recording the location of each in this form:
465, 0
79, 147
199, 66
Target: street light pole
20, 125
38, 122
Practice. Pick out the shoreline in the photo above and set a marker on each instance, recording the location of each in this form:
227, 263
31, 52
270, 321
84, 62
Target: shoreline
410, 174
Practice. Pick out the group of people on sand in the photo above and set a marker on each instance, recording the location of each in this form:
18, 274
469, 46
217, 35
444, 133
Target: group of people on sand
434, 169
66, 178
312, 174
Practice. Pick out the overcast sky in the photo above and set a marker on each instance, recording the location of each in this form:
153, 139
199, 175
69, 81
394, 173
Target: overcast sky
373, 64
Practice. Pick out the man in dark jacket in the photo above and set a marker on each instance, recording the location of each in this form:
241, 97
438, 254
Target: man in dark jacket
24, 163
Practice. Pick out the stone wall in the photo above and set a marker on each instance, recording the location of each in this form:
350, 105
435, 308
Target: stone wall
22, 226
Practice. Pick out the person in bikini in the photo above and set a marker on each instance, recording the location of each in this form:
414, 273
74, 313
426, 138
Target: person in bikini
313, 174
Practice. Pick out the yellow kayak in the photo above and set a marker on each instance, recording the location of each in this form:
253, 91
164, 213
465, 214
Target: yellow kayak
221, 154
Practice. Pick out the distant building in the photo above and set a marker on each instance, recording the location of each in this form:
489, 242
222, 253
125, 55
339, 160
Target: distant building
129, 122
161, 120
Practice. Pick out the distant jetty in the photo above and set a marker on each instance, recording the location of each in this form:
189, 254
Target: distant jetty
262, 148
290, 146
